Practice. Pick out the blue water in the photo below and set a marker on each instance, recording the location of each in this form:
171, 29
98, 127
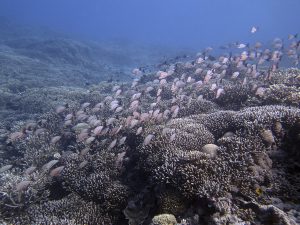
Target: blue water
181, 23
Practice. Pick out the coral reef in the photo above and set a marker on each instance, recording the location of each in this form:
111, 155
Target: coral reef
188, 144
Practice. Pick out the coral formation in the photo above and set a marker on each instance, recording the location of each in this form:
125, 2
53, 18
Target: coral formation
201, 142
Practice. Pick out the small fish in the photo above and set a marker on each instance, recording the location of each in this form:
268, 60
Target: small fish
152, 105
122, 140
240, 46
219, 92
83, 164
260, 91
235, 75
118, 92
60, 109
30, 170
137, 72
23, 185
85, 105
198, 71
166, 113
254, 29
89, 140
113, 107
148, 89
179, 84
49, 165
159, 92
134, 105
5, 168
136, 115
244, 56
213, 87
244, 81
158, 99
225, 60
57, 171
162, 75
55, 139
144, 117
69, 116
110, 121
148, 139
172, 137
136, 96
200, 60
115, 88
207, 78
292, 36
165, 131
119, 109
139, 131
112, 144
133, 123
200, 98
163, 82
189, 80
175, 112
98, 130
84, 151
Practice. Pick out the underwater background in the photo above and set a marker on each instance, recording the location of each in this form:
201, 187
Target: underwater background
149, 112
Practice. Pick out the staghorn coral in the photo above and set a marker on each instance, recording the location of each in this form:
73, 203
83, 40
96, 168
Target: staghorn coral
282, 94
69, 210
171, 201
197, 107
235, 96
182, 164
94, 181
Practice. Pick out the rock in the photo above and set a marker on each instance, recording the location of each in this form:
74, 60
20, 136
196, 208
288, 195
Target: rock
210, 149
164, 219
268, 137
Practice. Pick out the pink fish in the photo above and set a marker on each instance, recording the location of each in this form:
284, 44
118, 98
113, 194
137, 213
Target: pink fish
55, 139
134, 105
97, 130
137, 72
57, 171
139, 131
23, 185
172, 137
133, 123
60, 109
148, 139
162, 74
112, 144
219, 92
